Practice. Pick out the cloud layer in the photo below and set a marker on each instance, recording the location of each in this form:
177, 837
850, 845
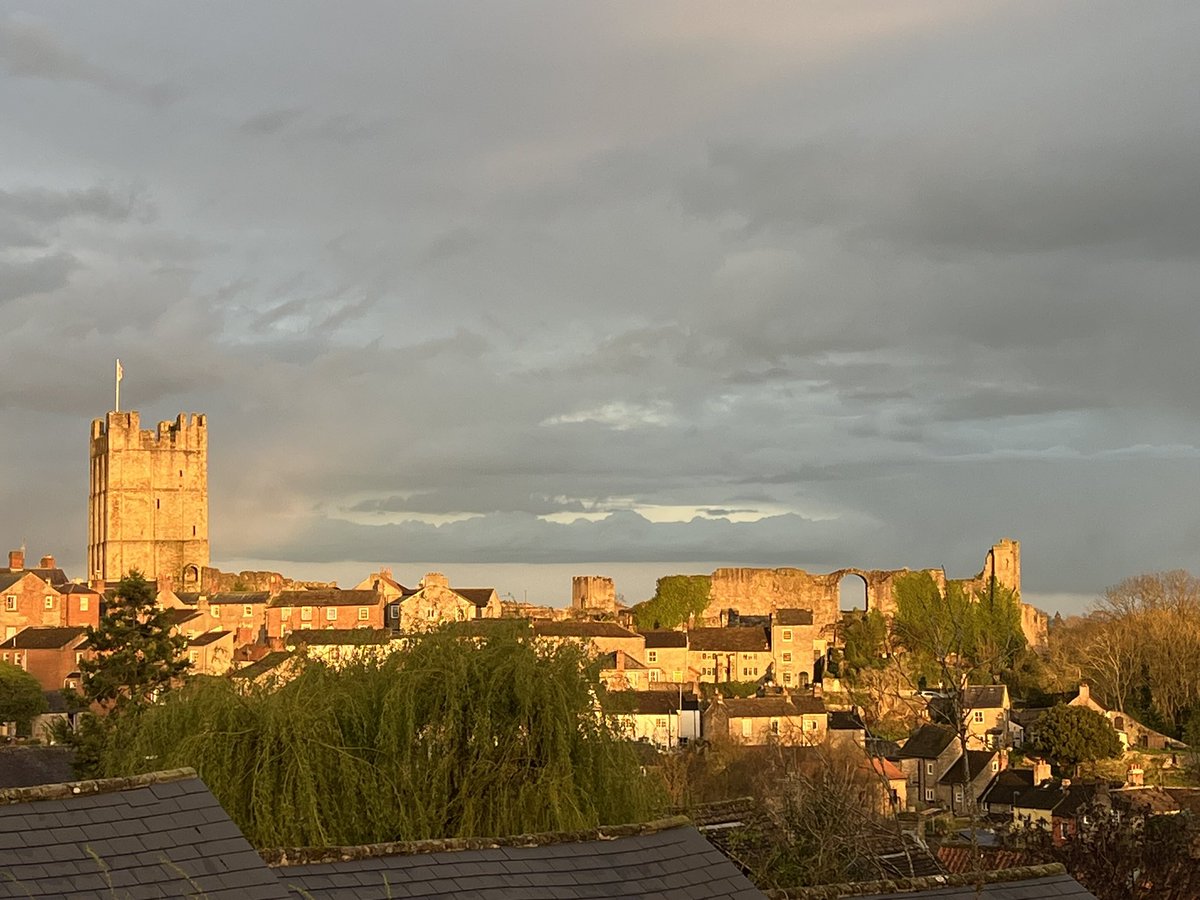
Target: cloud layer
543, 284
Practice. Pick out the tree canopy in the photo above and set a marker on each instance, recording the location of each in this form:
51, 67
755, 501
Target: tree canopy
21, 697
1071, 735
135, 655
451, 736
676, 598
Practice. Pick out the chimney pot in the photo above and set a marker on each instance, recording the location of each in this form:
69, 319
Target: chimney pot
16, 560
47, 562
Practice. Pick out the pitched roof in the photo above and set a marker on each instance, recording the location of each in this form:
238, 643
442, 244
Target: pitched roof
609, 661
663, 638
977, 760
650, 703
928, 742
1046, 797
73, 588
1048, 887
223, 598
49, 637
158, 835
209, 637
340, 637
326, 597
1007, 782
479, 596
176, 615
54, 577
262, 666
25, 766
984, 696
793, 617
7, 580
845, 720
581, 629
729, 640
669, 858
755, 707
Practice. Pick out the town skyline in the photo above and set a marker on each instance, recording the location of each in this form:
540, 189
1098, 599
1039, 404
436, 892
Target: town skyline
625, 290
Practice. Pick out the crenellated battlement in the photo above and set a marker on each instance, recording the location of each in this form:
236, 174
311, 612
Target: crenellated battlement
123, 431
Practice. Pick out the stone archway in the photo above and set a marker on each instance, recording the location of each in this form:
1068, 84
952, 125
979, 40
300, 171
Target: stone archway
854, 591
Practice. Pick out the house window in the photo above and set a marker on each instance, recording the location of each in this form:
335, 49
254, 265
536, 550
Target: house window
215, 610
995, 765
10, 603
787, 677
928, 795
660, 724
306, 626
431, 614
49, 602
305, 613
652, 675
331, 614
677, 675
928, 768
83, 604
191, 633
747, 728
978, 717
787, 657
958, 794
192, 656
787, 634
393, 612
247, 611
363, 614
652, 656
810, 724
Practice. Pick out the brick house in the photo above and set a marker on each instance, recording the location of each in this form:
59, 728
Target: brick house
730, 654
243, 613
792, 720
435, 602
795, 647
320, 609
50, 654
925, 757
29, 601
47, 569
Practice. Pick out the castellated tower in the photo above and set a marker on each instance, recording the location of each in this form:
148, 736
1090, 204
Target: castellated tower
148, 499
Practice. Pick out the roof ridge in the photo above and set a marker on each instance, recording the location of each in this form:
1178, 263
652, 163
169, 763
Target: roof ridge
919, 883
301, 856
9, 796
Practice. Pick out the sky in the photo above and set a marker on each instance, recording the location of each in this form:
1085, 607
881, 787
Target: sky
521, 290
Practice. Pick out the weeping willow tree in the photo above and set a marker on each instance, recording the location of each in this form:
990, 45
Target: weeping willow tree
449, 737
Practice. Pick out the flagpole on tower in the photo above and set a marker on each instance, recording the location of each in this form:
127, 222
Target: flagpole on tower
120, 374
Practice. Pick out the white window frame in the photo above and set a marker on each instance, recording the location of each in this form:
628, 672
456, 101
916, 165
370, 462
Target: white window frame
10, 603
787, 634
928, 795
331, 614
49, 601
364, 614
978, 716
247, 611
928, 768
83, 604
306, 614
651, 656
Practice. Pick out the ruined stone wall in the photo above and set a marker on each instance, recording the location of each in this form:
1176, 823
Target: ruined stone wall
759, 592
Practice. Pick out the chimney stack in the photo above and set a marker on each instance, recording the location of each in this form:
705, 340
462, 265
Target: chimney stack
1085, 692
16, 559
1135, 776
47, 562
1041, 772
620, 660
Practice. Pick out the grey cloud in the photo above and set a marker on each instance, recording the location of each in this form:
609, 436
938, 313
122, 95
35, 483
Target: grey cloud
30, 50
36, 276
41, 206
271, 121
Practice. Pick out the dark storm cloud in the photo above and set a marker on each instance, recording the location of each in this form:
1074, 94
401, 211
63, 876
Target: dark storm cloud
900, 279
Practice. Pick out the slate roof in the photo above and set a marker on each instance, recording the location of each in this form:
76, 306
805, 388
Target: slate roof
326, 597
845, 720
654, 703
928, 742
1046, 798
543, 628
479, 596
798, 705
7, 580
1007, 782
54, 577
38, 637
176, 616
729, 640
158, 835
666, 859
1050, 887
978, 761
664, 638
25, 766
983, 696
191, 598
609, 661
262, 666
209, 637
234, 598
793, 617
326, 637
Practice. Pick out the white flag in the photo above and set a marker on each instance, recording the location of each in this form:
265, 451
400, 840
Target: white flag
120, 371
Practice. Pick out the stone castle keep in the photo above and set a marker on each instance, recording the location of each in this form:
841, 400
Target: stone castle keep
148, 499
